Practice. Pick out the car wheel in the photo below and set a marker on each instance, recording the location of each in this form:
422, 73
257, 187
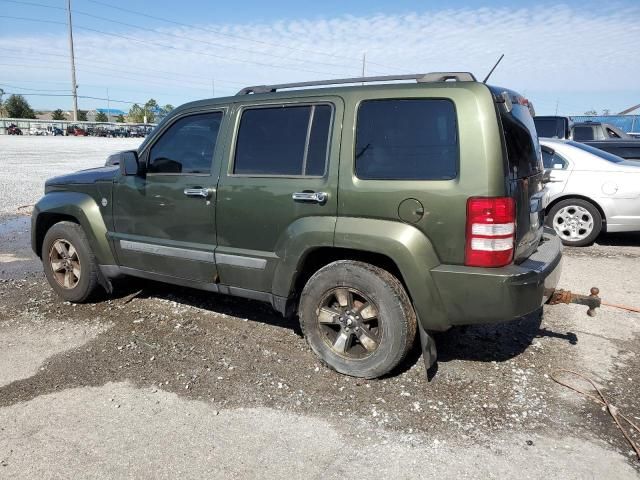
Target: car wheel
357, 318
69, 264
577, 222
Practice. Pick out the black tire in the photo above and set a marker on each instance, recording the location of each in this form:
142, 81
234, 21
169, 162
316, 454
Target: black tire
86, 282
586, 236
393, 328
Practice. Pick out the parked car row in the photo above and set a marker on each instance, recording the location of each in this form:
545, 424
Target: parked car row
597, 134
81, 131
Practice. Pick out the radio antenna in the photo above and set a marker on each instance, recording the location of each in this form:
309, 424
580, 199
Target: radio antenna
494, 67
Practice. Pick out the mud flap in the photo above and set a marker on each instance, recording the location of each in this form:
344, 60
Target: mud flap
429, 353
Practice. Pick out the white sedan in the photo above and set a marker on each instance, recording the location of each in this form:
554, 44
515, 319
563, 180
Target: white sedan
590, 191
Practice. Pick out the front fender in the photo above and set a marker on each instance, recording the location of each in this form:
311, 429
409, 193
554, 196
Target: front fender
411, 251
81, 207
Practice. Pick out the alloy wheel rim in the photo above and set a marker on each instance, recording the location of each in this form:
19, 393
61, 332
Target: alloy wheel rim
65, 264
573, 223
349, 323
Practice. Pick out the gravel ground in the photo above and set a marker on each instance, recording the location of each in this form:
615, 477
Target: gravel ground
175, 382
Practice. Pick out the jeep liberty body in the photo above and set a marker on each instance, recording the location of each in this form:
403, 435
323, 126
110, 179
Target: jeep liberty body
373, 211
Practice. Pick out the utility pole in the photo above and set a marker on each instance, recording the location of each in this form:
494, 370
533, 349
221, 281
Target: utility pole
364, 62
557, 102
73, 66
108, 107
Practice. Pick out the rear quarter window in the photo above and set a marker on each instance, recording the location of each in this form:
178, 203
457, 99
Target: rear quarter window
521, 141
406, 139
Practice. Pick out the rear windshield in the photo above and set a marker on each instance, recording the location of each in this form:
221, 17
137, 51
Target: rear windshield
521, 140
609, 157
583, 134
550, 127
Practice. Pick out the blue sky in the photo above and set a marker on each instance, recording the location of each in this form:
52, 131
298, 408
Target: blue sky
570, 56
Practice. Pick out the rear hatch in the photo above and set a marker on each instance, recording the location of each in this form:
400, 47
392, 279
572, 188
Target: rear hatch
523, 170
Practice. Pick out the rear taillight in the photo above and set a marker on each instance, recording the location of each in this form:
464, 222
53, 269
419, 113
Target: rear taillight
491, 227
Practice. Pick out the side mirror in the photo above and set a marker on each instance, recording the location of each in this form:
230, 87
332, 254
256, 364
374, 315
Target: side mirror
129, 164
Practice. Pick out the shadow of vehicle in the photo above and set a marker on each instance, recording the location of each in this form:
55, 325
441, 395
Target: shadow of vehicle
485, 343
495, 342
214, 302
624, 239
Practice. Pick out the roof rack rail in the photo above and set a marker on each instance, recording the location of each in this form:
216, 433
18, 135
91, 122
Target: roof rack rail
418, 77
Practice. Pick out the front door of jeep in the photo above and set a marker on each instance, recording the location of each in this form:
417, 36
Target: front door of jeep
164, 220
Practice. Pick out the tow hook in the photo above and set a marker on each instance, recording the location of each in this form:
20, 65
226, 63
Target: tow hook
592, 301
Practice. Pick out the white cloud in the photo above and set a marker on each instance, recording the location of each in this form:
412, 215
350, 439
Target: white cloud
547, 49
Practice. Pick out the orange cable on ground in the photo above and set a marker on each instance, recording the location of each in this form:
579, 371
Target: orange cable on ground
622, 307
613, 411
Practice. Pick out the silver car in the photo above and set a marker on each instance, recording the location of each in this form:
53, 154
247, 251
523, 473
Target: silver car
590, 191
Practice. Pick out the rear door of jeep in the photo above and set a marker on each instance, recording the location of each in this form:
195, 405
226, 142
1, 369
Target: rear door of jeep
278, 183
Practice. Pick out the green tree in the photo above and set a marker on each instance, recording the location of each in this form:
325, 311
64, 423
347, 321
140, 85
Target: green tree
82, 115
17, 106
136, 114
101, 117
120, 118
167, 108
150, 109
58, 115
591, 112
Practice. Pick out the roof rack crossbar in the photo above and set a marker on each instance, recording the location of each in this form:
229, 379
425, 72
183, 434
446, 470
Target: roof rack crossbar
418, 77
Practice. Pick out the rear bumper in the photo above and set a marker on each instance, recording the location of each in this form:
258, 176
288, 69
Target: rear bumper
473, 295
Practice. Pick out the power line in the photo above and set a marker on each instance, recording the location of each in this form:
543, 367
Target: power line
199, 40
239, 37
70, 95
180, 75
172, 47
35, 89
222, 34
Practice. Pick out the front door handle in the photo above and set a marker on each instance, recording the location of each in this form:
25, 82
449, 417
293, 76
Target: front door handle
198, 192
312, 197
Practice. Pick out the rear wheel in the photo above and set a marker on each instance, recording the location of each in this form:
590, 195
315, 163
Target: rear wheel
577, 222
69, 263
357, 318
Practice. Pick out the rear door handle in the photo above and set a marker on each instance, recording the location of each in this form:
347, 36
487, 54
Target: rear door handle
198, 192
312, 197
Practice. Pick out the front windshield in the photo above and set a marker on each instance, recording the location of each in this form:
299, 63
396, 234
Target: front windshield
609, 157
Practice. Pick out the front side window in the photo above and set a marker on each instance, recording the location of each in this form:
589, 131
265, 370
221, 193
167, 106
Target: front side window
187, 146
283, 141
406, 139
582, 134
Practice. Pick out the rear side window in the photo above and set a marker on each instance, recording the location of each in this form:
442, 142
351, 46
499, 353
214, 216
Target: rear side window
521, 140
283, 141
611, 133
406, 139
186, 146
582, 134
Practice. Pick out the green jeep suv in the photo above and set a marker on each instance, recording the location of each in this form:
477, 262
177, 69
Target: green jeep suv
375, 210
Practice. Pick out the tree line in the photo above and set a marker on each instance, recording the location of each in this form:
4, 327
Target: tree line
16, 106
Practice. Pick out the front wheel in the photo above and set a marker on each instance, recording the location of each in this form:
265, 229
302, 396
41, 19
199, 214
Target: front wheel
577, 222
69, 264
357, 318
